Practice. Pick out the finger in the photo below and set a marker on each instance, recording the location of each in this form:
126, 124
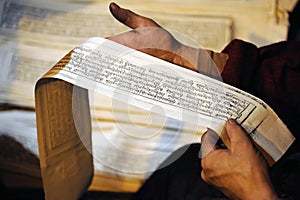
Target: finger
237, 135
208, 143
129, 18
203, 176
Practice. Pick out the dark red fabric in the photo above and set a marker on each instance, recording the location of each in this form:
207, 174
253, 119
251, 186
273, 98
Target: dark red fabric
240, 68
180, 180
271, 73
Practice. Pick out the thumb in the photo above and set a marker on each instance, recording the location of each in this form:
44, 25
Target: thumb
208, 143
236, 134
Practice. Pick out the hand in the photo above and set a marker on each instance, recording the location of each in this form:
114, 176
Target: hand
147, 36
239, 172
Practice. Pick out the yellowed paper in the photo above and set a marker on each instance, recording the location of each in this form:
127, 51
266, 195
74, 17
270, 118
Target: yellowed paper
150, 83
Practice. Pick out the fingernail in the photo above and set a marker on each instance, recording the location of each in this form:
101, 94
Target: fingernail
232, 121
115, 5
112, 5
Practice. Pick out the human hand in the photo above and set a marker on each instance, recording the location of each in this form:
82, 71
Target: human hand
240, 172
149, 37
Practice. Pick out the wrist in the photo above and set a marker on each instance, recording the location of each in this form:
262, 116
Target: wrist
206, 62
263, 192
254, 195
266, 193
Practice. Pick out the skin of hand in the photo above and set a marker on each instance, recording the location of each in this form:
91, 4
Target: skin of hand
149, 37
240, 172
